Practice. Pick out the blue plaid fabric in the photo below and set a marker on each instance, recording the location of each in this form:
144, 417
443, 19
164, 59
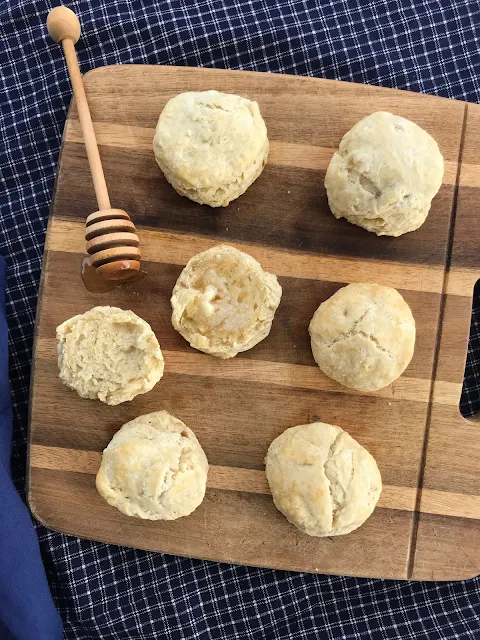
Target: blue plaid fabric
103, 591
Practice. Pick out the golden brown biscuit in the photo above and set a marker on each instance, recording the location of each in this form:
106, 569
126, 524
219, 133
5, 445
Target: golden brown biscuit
153, 468
322, 480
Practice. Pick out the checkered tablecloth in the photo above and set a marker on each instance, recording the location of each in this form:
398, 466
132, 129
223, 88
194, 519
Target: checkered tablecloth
108, 592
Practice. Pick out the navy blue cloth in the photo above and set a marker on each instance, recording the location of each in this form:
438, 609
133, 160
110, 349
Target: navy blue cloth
26, 607
103, 591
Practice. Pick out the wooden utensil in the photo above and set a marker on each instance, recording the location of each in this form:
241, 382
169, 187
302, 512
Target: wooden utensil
112, 241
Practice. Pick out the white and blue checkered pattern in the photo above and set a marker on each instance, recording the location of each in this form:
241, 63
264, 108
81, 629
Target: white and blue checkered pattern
109, 592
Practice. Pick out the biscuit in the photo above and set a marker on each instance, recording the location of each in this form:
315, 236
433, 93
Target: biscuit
322, 480
211, 146
153, 468
384, 175
109, 354
363, 336
224, 302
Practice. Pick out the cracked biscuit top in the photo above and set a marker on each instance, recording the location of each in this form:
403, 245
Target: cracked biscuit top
363, 336
384, 175
322, 480
153, 468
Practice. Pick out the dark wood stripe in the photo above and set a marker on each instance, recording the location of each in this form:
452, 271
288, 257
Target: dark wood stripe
454, 339
288, 341
234, 420
466, 249
300, 220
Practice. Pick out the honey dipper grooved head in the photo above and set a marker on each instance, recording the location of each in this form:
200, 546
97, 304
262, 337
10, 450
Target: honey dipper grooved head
119, 270
113, 244
62, 23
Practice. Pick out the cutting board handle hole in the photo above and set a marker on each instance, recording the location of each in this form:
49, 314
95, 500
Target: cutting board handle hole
470, 403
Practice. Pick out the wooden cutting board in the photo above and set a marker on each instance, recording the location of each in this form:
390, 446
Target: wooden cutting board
427, 524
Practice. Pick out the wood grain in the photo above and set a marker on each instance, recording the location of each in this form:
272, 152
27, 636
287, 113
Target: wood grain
254, 481
427, 453
245, 525
452, 454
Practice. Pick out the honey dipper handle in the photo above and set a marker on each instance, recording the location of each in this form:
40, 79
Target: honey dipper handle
63, 26
87, 126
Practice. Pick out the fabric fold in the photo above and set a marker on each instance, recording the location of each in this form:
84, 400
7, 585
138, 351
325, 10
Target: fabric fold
27, 611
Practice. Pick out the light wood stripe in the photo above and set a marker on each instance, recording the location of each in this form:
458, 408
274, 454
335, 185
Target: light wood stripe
461, 282
302, 377
176, 248
281, 153
285, 375
470, 175
455, 505
254, 481
79, 461
219, 477
447, 393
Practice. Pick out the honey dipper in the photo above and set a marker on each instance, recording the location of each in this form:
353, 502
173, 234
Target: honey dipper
112, 242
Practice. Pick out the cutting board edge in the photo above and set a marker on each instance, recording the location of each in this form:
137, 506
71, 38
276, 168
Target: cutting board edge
416, 576
285, 77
